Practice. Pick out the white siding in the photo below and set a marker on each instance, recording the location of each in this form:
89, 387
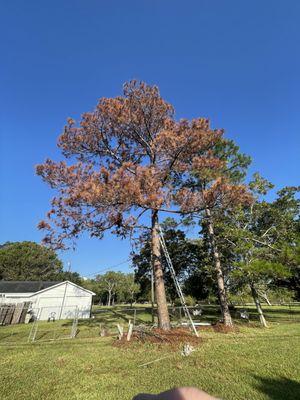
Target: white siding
60, 301
14, 298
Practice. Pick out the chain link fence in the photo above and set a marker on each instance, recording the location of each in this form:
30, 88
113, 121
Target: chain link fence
104, 320
34, 327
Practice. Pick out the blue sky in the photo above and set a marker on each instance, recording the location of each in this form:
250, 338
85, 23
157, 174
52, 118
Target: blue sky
236, 62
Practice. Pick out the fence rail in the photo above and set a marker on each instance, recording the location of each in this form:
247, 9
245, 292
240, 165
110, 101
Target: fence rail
104, 321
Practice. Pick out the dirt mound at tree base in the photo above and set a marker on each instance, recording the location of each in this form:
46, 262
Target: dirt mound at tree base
218, 327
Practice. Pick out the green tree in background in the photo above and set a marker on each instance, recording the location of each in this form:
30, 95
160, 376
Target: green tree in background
261, 240
113, 287
130, 288
111, 283
256, 273
287, 207
68, 276
95, 285
28, 261
188, 258
215, 185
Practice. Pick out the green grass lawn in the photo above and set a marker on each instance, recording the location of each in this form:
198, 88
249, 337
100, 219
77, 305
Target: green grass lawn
253, 363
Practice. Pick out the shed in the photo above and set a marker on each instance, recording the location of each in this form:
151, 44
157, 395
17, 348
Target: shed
55, 300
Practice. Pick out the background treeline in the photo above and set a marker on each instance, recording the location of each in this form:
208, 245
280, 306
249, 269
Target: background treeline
30, 261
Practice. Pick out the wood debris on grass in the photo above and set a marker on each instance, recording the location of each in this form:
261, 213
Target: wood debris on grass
175, 337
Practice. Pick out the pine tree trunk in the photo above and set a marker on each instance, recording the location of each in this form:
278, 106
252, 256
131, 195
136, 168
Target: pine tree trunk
218, 268
160, 293
258, 306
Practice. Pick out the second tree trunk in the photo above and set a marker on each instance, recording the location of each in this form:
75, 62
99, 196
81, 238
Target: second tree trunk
220, 277
258, 306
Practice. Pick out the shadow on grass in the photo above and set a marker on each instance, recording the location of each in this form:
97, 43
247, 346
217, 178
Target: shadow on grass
282, 311
112, 317
127, 317
278, 389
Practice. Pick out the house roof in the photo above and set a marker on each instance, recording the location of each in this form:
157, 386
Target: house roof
34, 287
25, 286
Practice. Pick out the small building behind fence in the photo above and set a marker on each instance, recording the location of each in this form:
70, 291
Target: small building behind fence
45, 300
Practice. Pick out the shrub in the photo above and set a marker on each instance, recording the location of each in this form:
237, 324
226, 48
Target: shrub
190, 301
281, 295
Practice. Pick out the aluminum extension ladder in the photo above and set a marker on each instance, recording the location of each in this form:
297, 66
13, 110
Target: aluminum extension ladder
176, 283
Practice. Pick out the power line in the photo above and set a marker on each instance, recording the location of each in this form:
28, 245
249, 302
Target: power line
109, 268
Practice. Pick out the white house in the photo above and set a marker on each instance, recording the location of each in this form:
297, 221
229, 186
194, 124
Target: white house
54, 300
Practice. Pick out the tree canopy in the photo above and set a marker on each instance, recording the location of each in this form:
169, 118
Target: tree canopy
113, 287
126, 157
28, 261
